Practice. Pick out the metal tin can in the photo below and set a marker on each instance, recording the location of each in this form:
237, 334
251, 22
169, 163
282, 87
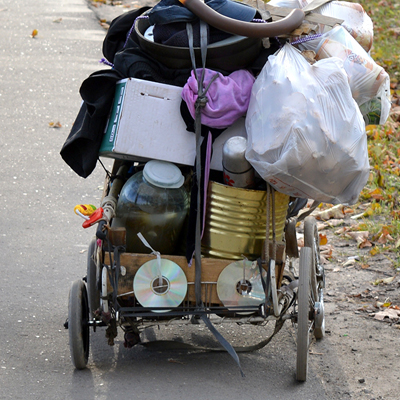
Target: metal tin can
235, 221
237, 171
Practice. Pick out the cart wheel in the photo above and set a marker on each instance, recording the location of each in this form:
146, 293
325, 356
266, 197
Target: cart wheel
78, 315
317, 276
91, 279
303, 314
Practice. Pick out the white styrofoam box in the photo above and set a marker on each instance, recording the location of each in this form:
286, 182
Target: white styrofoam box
145, 123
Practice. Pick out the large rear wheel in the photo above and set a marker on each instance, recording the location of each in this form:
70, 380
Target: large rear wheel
310, 303
303, 314
317, 276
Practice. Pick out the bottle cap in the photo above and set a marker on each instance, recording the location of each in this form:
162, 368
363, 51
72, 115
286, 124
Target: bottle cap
233, 155
163, 174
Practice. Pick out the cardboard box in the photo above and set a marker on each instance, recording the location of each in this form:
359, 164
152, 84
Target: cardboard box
146, 123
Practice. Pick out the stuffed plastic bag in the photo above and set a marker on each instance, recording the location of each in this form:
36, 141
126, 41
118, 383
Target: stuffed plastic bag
356, 20
367, 79
306, 135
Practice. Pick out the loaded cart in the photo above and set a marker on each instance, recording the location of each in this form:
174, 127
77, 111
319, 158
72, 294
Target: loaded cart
131, 291
192, 228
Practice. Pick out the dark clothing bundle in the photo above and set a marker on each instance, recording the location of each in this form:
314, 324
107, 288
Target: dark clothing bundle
120, 47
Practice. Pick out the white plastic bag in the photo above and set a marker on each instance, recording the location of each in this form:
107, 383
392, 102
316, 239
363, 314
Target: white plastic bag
306, 135
367, 79
356, 20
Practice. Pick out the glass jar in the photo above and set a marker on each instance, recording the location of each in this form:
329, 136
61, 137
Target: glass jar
154, 203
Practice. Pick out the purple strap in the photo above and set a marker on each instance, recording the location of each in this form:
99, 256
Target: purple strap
106, 62
306, 38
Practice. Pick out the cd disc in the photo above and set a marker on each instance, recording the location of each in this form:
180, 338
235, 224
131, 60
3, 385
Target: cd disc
239, 284
150, 293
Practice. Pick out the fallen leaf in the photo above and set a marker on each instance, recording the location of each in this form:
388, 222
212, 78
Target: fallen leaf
342, 230
374, 251
335, 222
335, 212
300, 240
323, 240
322, 225
361, 237
383, 239
389, 313
58, 20
55, 124
34, 33
381, 180
385, 281
326, 250
357, 216
377, 194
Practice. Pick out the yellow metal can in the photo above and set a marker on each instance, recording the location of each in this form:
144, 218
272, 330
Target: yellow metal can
235, 222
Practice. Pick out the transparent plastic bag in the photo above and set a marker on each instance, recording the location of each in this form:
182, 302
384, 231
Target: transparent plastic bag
367, 79
306, 134
356, 21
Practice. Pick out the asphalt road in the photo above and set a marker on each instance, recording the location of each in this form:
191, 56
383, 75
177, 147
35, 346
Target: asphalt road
43, 245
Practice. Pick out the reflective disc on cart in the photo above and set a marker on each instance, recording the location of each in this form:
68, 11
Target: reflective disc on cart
150, 291
239, 285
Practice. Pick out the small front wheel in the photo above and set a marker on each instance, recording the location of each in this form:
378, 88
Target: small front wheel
78, 327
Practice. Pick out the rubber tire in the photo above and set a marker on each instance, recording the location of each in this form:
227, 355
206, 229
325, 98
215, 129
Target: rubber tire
303, 294
91, 279
78, 328
311, 239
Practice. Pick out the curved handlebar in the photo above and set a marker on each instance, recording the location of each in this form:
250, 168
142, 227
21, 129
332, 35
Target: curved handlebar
236, 27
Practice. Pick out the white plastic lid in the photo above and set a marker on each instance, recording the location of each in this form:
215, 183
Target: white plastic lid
163, 174
149, 35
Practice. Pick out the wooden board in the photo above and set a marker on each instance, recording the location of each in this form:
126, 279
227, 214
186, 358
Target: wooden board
210, 270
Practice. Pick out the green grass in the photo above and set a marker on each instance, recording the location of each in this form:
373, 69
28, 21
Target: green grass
386, 49
383, 188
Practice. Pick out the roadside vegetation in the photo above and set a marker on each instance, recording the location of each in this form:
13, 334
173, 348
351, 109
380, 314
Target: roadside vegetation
378, 209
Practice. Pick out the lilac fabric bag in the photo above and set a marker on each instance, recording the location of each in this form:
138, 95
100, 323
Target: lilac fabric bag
228, 97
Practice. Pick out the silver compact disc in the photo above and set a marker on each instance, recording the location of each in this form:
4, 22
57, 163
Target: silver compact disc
239, 284
151, 291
